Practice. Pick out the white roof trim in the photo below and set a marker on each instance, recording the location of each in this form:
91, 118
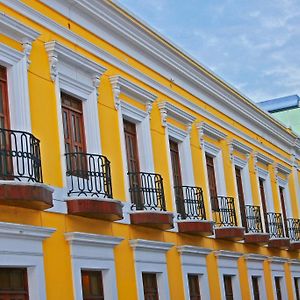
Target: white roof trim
80, 238
224, 254
168, 109
150, 245
58, 52
22, 231
210, 131
192, 250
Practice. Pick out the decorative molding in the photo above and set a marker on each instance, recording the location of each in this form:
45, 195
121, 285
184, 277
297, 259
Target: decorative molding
228, 254
168, 109
121, 85
258, 157
210, 148
192, 250
210, 131
19, 32
176, 132
278, 260
240, 147
283, 169
155, 246
237, 161
132, 112
279, 135
255, 257
58, 52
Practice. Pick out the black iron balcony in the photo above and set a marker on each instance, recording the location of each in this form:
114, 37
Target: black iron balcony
88, 175
189, 202
294, 229
253, 219
146, 191
275, 225
20, 157
223, 209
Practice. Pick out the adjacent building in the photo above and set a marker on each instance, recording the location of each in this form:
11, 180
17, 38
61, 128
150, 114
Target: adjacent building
129, 171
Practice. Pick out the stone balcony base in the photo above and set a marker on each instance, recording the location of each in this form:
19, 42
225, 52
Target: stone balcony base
256, 238
95, 208
26, 195
233, 233
279, 243
294, 246
196, 227
154, 219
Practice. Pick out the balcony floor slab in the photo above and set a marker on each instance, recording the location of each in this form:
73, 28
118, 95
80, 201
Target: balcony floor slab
231, 233
294, 246
95, 208
279, 243
155, 219
257, 238
36, 196
196, 227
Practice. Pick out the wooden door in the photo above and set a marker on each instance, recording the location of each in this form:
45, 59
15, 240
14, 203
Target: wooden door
297, 290
263, 201
92, 285
283, 209
240, 191
255, 288
150, 286
133, 164
177, 179
228, 287
13, 284
194, 288
73, 125
212, 182
278, 288
4, 107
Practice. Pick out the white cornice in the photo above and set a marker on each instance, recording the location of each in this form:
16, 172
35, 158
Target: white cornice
259, 157
80, 238
228, 254
255, 257
19, 32
21, 231
168, 109
121, 85
278, 260
192, 250
283, 143
241, 147
283, 169
58, 52
139, 244
210, 131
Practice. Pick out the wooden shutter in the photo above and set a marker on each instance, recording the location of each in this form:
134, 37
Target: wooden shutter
13, 284
240, 191
212, 182
283, 209
150, 286
92, 285
228, 287
263, 201
4, 109
194, 288
255, 287
278, 288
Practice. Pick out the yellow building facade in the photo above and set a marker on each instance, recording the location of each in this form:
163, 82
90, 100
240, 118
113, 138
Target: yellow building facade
129, 171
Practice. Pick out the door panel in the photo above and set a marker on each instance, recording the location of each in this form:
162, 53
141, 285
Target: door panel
212, 182
263, 201
283, 209
240, 191
150, 286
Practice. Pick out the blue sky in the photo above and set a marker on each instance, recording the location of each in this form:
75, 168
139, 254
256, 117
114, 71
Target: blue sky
252, 44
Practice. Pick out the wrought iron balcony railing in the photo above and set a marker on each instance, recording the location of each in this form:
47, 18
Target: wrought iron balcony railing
20, 157
224, 211
146, 191
275, 225
190, 203
253, 219
294, 229
88, 175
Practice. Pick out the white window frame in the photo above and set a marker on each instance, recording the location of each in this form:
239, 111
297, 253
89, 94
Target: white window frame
141, 118
93, 252
150, 257
295, 273
228, 265
193, 261
21, 246
277, 269
255, 268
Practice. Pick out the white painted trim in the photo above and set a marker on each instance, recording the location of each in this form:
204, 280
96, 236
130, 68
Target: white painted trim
22, 246
193, 261
228, 265
18, 93
255, 268
210, 131
18, 31
283, 169
259, 157
97, 51
121, 85
241, 147
93, 252
295, 272
150, 256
